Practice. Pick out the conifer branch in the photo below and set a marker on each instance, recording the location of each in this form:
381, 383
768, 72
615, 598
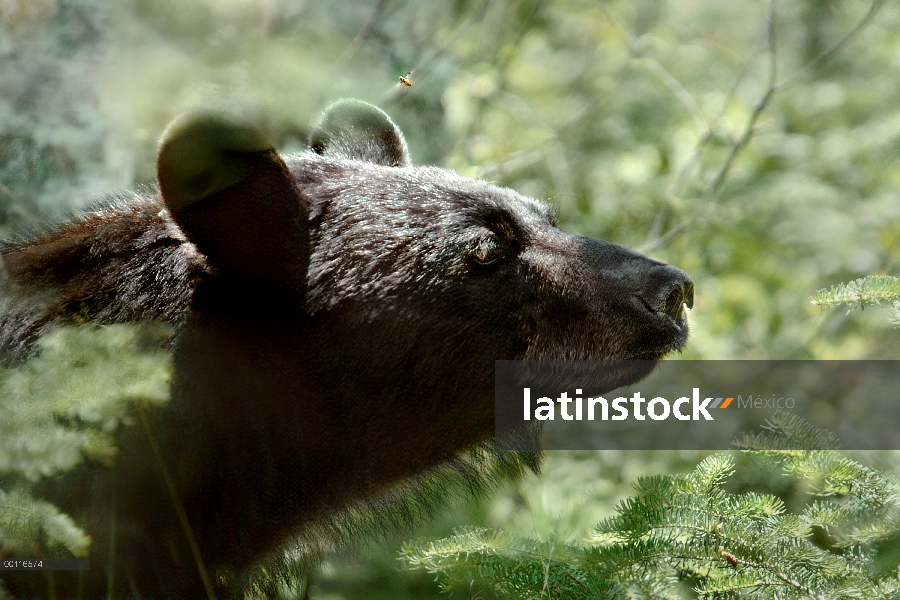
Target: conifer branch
687, 527
860, 292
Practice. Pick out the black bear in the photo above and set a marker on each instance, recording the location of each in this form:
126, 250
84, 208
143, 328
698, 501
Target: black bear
339, 314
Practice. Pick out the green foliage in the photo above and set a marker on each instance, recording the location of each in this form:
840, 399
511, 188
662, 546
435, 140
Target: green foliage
642, 122
684, 535
52, 133
762, 161
518, 567
474, 474
787, 431
62, 408
33, 528
873, 289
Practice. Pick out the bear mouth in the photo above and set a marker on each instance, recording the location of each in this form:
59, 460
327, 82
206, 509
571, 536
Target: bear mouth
673, 317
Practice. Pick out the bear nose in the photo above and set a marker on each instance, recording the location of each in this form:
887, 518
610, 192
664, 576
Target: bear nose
667, 290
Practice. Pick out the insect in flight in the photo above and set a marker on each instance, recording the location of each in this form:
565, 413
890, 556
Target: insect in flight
404, 79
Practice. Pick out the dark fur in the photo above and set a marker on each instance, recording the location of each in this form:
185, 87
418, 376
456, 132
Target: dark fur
125, 263
338, 332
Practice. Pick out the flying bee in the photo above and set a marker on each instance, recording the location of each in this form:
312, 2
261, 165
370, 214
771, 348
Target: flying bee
729, 557
404, 79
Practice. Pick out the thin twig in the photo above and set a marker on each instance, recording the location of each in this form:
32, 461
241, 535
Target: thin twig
659, 222
681, 93
8, 193
364, 32
179, 507
667, 238
719, 178
640, 49
775, 86
436, 51
828, 53
553, 151
680, 181
514, 162
500, 62
111, 559
655, 238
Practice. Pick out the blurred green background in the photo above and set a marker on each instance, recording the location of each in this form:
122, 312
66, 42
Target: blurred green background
637, 120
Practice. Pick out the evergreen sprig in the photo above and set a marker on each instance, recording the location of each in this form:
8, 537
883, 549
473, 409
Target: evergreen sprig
684, 535
519, 567
873, 289
678, 536
473, 474
35, 528
60, 409
787, 431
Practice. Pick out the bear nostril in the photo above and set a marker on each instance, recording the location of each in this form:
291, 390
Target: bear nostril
669, 291
689, 295
674, 301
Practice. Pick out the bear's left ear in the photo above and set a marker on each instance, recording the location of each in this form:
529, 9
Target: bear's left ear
360, 131
234, 198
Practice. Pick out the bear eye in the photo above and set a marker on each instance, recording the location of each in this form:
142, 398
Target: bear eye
485, 252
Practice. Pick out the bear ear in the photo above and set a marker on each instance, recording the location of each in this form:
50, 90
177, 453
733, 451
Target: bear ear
360, 131
234, 198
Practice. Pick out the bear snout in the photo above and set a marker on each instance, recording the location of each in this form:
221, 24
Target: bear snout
668, 290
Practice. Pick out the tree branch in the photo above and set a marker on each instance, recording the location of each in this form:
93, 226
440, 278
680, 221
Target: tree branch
719, 178
364, 32
640, 49
8, 192
828, 53
776, 86
667, 238
436, 51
